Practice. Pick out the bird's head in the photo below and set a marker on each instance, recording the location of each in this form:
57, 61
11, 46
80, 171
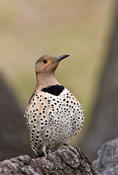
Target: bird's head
48, 64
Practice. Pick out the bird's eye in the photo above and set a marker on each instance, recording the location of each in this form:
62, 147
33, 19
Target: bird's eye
44, 61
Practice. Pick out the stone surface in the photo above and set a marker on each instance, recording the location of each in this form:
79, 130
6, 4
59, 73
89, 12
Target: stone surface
66, 161
107, 162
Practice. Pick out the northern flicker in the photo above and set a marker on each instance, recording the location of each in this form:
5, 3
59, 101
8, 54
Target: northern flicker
53, 114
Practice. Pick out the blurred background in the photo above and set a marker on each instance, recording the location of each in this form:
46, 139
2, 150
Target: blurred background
87, 30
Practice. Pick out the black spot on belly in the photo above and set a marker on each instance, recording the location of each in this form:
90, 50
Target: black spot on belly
55, 90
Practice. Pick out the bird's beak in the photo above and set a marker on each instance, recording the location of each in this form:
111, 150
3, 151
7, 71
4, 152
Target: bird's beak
59, 58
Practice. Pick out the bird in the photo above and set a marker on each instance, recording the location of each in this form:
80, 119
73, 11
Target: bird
53, 114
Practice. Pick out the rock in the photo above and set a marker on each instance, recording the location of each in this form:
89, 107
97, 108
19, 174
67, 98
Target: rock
107, 162
65, 161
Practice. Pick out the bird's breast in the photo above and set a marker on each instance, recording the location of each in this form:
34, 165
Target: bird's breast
53, 119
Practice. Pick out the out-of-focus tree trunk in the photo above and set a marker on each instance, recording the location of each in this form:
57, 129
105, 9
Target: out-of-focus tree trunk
13, 131
104, 124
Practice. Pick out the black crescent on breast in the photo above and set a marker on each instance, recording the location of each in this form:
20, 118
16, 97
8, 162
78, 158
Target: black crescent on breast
54, 90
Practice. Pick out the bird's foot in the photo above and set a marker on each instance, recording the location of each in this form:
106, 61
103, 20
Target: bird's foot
41, 154
65, 144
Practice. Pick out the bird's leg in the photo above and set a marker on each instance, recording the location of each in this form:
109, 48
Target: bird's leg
39, 153
44, 150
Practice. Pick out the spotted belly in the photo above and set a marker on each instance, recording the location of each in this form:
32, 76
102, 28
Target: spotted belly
52, 120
